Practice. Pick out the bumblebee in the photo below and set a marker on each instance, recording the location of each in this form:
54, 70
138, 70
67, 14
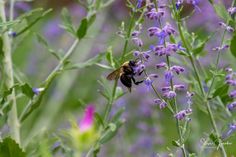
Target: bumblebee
126, 74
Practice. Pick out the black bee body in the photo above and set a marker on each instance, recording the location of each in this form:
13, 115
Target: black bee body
126, 74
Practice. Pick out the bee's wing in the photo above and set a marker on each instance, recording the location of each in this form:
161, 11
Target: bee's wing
114, 75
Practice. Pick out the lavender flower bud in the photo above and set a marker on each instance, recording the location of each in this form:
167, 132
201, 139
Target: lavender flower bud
153, 75
136, 53
169, 29
166, 89
148, 82
157, 101
154, 15
231, 82
178, 4
161, 65
168, 76
229, 132
229, 69
162, 105
154, 31
177, 69
12, 34
159, 50
232, 94
231, 106
232, 10
179, 87
182, 114
37, 90
170, 94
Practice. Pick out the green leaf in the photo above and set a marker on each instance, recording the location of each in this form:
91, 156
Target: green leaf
109, 57
82, 30
233, 46
110, 132
67, 22
9, 148
221, 11
27, 90
91, 20
99, 119
42, 40
112, 127
221, 91
31, 24
117, 115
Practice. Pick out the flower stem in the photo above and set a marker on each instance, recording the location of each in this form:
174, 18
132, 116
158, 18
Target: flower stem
13, 121
212, 120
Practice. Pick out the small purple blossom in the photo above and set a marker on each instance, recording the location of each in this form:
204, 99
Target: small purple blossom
182, 114
87, 121
166, 89
226, 27
37, 90
168, 76
229, 132
170, 94
12, 34
177, 69
178, 4
232, 10
161, 65
162, 105
153, 14
153, 75
231, 106
148, 82
136, 53
228, 69
232, 94
159, 50
220, 48
179, 87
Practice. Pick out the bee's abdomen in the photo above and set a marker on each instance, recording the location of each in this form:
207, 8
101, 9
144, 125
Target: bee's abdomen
126, 80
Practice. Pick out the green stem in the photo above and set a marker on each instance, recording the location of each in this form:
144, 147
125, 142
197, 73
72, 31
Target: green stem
13, 121
109, 104
212, 120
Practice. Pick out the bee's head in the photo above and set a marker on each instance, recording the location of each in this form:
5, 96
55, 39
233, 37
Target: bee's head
132, 63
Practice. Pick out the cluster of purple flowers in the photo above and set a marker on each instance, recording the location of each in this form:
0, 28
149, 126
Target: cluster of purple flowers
230, 79
163, 48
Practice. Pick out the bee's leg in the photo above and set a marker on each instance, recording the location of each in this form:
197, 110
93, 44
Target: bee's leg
140, 72
136, 82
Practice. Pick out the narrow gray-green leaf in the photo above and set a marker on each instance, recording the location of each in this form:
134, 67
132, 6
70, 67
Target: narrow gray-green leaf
82, 30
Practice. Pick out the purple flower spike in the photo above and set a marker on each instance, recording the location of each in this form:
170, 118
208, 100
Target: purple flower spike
87, 121
161, 65
177, 69
232, 94
232, 10
231, 106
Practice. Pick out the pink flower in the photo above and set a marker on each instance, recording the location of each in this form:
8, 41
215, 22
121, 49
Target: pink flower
87, 121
